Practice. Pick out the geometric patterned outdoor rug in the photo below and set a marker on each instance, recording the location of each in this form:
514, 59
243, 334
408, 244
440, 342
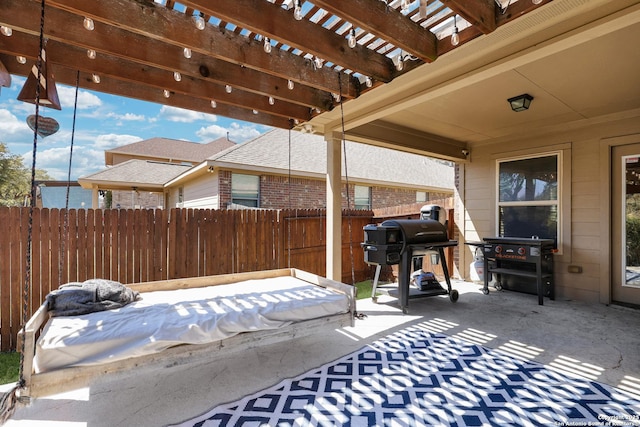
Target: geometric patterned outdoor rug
418, 378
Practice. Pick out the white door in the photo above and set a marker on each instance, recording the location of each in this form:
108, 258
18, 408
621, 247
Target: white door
625, 262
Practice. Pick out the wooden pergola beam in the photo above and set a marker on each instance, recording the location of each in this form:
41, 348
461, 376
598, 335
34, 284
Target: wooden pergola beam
109, 66
479, 13
387, 23
273, 21
145, 93
164, 25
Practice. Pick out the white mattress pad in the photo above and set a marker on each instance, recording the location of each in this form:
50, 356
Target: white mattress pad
163, 319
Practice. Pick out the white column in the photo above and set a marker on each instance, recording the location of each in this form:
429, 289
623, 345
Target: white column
334, 206
95, 204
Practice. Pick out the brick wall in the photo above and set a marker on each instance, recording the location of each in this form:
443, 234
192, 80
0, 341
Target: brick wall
306, 193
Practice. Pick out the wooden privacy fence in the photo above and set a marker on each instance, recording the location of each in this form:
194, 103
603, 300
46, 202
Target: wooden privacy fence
132, 246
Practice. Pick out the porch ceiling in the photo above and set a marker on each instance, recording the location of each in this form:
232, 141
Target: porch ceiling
139, 45
577, 59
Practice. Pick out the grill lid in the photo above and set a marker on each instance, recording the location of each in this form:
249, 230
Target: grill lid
415, 231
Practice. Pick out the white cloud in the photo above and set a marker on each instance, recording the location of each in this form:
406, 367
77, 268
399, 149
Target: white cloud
112, 140
237, 133
56, 162
86, 100
127, 117
11, 127
174, 114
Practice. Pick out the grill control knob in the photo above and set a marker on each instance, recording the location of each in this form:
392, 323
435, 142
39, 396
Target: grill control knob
498, 249
521, 251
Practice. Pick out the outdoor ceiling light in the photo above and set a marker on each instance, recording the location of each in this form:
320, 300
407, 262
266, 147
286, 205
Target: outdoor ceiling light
455, 37
297, 11
351, 39
520, 102
21, 59
198, 21
88, 24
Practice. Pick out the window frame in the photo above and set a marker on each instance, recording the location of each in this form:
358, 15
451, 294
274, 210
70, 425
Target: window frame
355, 198
558, 202
256, 199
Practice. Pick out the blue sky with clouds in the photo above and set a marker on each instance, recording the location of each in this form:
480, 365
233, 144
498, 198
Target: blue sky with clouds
103, 122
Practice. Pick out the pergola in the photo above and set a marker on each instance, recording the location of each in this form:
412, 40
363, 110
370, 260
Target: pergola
275, 62
426, 76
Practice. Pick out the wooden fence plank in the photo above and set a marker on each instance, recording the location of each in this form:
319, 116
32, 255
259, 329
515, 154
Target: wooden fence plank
5, 281
54, 250
45, 254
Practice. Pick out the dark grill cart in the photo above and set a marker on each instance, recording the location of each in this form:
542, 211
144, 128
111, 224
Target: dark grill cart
398, 242
527, 258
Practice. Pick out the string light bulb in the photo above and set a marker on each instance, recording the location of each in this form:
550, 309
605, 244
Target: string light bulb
88, 24
352, 39
228, 89
95, 78
166, 93
455, 37
91, 54
399, 63
297, 11
336, 97
177, 76
536, 1
198, 21
186, 52
290, 84
21, 59
271, 100
318, 62
368, 82
6, 31
255, 112
267, 45
214, 104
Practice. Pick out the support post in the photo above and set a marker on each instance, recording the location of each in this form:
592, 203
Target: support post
95, 203
334, 206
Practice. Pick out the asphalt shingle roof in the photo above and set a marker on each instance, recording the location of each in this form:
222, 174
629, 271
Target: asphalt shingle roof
173, 149
145, 172
364, 162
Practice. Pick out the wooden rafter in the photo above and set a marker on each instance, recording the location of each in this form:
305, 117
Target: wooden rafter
139, 46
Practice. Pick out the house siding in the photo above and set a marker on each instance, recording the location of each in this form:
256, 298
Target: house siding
202, 192
584, 203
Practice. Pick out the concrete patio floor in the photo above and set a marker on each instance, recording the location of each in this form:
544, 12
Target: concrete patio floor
598, 342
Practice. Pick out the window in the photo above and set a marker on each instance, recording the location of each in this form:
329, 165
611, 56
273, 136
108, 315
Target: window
245, 190
362, 197
421, 196
528, 202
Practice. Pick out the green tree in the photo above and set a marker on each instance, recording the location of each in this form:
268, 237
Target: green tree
15, 178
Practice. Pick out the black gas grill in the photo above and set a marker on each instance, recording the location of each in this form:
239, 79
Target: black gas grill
398, 242
521, 264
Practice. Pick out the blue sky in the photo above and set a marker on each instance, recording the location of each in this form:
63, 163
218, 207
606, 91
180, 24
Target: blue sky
102, 123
